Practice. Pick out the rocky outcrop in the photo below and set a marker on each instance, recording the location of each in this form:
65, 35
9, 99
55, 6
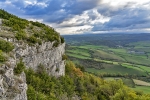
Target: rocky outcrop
14, 87
47, 55
0, 21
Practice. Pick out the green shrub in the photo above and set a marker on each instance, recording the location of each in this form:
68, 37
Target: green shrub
56, 44
37, 24
64, 57
32, 39
19, 68
6, 46
62, 39
20, 35
2, 57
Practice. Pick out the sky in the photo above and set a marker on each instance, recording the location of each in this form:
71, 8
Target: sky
85, 16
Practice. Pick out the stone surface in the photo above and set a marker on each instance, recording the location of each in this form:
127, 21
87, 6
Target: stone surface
0, 21
14, 87
47, 55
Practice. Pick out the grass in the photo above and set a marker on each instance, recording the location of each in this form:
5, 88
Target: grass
107, 55
110, 78
118, 50
143, 89
79, 51
127, 65
94, 47
113, 56
141, 83
114, 70
77, 56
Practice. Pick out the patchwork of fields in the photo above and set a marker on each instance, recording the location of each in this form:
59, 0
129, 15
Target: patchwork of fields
125, 60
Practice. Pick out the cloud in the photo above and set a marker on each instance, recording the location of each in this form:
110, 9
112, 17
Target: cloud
126, 19
84, 16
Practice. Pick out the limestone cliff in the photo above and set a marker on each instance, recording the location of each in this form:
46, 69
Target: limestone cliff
36, 44
14, 87
47, 55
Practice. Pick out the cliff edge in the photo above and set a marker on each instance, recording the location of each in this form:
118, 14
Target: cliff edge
26, 44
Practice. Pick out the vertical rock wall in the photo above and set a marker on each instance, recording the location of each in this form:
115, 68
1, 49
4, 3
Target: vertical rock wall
14, 87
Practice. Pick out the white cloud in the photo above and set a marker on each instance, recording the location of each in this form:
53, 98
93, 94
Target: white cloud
35, 2
84, 16
39, 20
74, 30
81, 23
123, 2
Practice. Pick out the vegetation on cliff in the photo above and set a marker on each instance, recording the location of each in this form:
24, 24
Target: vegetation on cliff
25, 31
28, 31
86, 86
5, 47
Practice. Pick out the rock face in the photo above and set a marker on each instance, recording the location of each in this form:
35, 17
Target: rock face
47, 55
14, 87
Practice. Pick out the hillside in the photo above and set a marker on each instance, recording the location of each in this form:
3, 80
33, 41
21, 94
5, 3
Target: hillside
78, 85
33, 66
25, 44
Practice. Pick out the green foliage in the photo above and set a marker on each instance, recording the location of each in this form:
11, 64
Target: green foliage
62, 39
55, 44
80, 67
19, 68
6, 46
41, 86
13, 21
17, 24
64, 57
32, 39
37, 24
2, 57
21, 35
6, 15
28, 31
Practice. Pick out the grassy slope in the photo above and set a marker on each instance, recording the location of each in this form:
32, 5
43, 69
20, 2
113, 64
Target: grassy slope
144, 89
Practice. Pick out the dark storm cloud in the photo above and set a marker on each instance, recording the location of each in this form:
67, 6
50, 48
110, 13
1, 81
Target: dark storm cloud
78, 7
123, 17
70, 7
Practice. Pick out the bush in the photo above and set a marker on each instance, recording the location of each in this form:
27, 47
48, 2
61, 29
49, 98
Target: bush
62, 39
37, 24
6, 46
56, 44
19, 68
2, 57
21, 35
64, 57
32, 39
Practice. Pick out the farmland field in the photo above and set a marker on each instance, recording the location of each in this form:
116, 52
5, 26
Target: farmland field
112, 55
144, 89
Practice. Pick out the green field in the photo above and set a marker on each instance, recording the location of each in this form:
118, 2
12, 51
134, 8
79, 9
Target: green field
116, 70
144, 89
113, 57
121, 61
